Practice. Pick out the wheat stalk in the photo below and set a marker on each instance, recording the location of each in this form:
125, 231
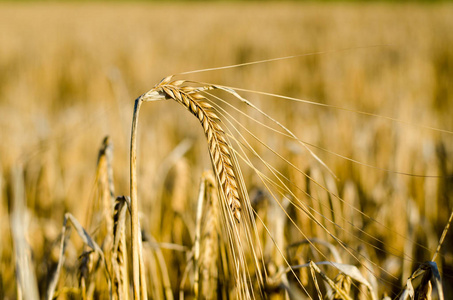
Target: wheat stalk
137, 257
26, 278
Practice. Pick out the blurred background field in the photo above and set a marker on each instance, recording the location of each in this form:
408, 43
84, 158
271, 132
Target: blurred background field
69, 74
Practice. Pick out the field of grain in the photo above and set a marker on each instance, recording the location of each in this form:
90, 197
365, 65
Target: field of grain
380, 77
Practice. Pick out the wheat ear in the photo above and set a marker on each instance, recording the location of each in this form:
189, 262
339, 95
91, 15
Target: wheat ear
119, 251
219, 147
104, 174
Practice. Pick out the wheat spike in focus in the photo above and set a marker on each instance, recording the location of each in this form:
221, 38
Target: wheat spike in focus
219, 148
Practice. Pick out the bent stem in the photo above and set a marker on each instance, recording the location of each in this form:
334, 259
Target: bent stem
138, 271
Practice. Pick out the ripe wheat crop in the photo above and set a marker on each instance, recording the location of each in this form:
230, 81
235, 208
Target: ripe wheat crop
322, 175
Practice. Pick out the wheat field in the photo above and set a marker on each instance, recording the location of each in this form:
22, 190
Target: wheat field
344, 185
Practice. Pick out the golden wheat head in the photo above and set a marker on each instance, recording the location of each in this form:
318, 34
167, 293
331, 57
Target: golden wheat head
219, 148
